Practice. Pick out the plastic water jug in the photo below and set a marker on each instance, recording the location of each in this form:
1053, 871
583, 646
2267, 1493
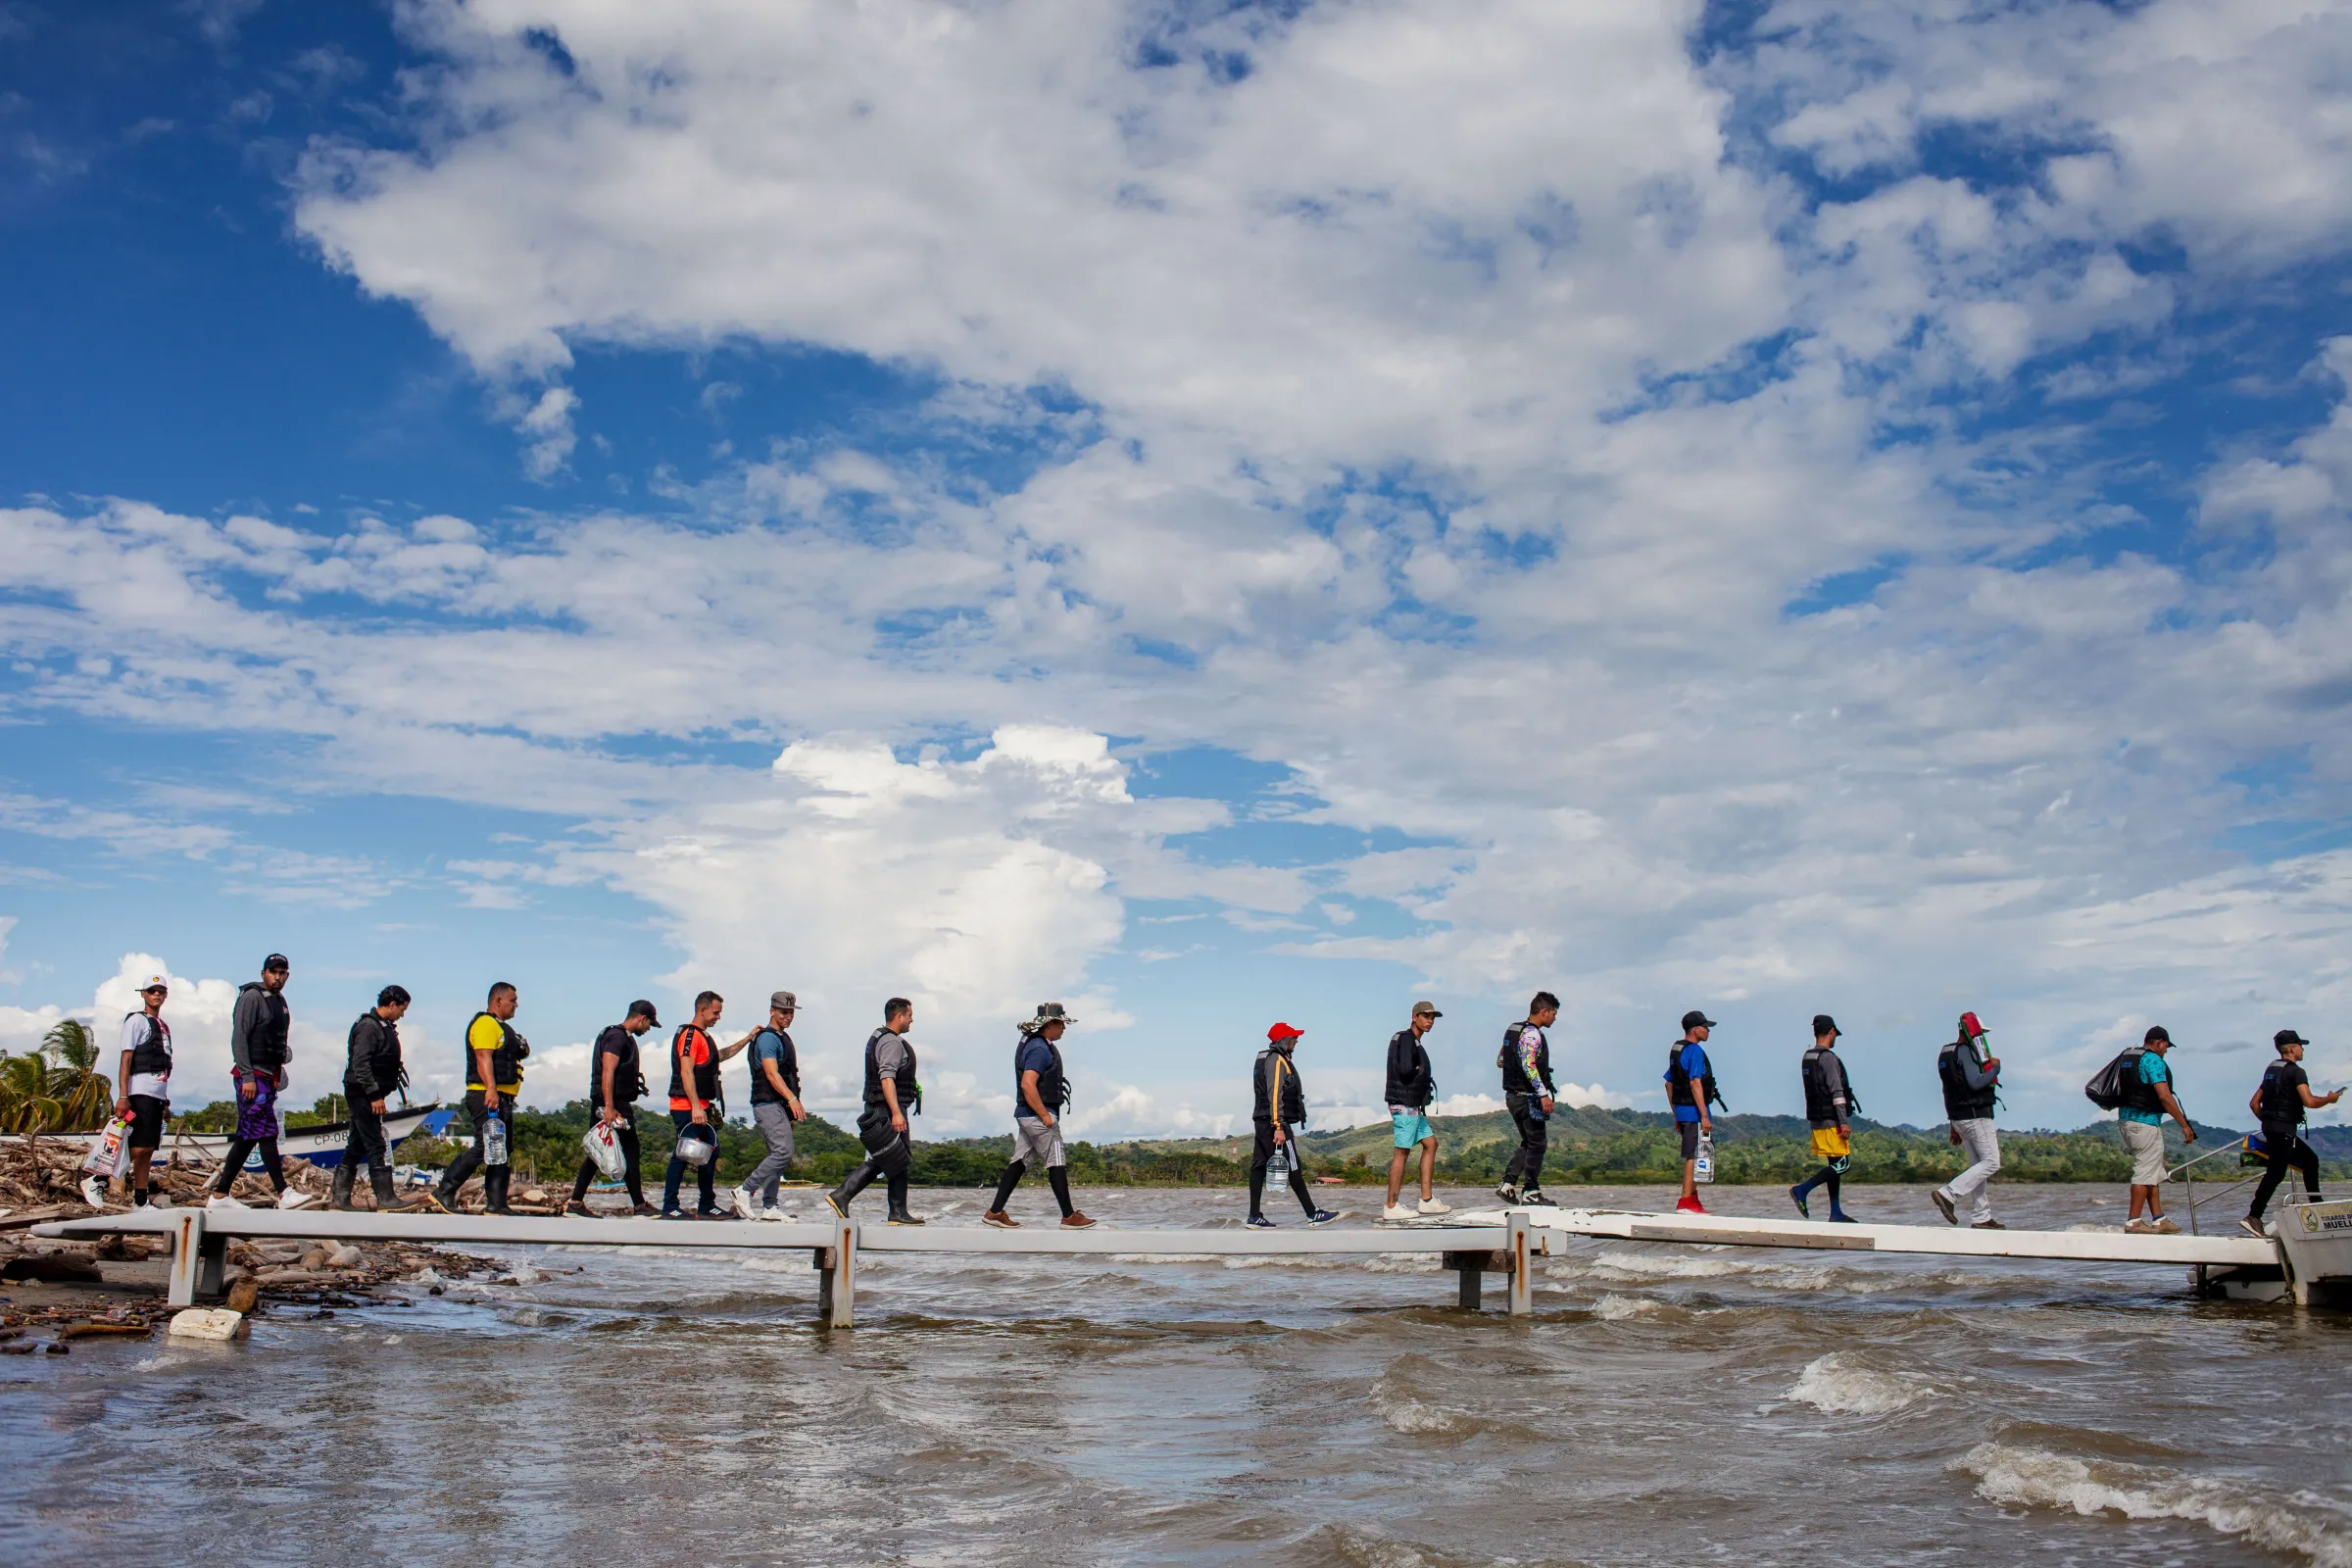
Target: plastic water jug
1702, 1167
494, 1140
1280, 1164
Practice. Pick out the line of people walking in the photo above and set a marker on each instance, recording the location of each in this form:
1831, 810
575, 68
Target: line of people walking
2138, 1085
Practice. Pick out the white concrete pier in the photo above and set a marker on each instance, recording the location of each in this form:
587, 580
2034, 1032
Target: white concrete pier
1474, 1244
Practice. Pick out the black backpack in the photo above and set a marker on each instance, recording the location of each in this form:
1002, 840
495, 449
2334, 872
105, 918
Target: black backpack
2111, 1083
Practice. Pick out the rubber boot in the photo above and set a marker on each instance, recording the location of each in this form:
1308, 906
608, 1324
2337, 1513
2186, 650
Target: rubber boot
379, 1181
340, 1198
495, 1179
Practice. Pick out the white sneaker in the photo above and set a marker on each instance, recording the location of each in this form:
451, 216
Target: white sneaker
1396, 1211
741, 1198
1435, 1206
773, 1212
295, 1198
222, 1201
93, 1192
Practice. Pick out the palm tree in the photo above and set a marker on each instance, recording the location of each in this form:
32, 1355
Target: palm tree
27, 1104
85, 1096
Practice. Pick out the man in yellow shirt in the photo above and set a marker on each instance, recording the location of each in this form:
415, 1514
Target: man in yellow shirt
494, 1055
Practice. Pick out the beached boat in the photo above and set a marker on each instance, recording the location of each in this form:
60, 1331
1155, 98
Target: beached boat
322, 1145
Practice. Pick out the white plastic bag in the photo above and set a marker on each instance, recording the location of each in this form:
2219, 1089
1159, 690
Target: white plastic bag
108, 1152
1703, 1168
604, 1146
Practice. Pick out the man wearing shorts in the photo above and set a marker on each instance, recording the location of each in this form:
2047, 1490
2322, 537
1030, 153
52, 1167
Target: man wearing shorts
1041, 1092
2147, 1100
1830, 1110
145, 1099
1690, 1090
1410, 1088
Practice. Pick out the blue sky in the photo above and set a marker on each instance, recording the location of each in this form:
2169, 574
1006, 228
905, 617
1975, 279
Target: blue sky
1209, 512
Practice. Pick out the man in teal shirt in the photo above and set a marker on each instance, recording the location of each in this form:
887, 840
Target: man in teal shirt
2147, 1100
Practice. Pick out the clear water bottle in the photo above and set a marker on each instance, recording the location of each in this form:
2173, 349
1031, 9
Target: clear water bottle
1702, 1166
494, 1140
1280, 1164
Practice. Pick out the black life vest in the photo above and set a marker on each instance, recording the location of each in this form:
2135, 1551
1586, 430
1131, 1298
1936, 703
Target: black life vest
1515, 1079
788, 1066
506, 1061
265, 1048
1280, 1095
706, 1071
2281, 1105
1053, 1086
2133, 1093
153, 1052
628, 1071
911, 1092
1820, 1104
1961, 1102
373, 1065
1678, 1082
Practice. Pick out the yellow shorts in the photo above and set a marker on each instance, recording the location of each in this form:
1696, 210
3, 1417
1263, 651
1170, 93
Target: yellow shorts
1830, 1144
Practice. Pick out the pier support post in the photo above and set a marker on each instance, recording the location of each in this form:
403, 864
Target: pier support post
1523, 1296
837, 1278
188, 1259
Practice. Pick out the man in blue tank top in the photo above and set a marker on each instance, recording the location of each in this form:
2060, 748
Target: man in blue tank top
1041, 1092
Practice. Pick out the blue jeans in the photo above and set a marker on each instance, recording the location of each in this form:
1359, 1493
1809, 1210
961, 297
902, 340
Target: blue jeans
706, 1176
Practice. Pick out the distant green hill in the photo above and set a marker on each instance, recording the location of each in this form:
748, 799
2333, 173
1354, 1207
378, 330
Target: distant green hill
1612, 1147
1589, 1148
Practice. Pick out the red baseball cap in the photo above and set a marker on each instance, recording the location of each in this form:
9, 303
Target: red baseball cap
1283, 1030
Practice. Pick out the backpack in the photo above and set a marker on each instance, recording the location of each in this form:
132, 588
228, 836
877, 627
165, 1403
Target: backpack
2112, 1085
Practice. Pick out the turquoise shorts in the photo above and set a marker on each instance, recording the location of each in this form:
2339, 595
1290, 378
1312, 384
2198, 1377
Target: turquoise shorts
1411, 1127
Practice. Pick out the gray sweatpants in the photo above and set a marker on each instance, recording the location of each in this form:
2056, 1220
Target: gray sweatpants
1984, 1149
775, 1125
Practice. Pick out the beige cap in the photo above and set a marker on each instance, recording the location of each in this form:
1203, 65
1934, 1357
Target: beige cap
1430, 1007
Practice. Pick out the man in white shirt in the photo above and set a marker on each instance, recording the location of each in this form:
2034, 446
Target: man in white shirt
144, 1098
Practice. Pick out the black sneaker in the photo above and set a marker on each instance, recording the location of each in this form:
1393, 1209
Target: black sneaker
1533, 1197
1507, 1192
1258, 1223
676, 1214
1943, 1205
1796, 1196
1321, 1217
713, 1214
1988, 1225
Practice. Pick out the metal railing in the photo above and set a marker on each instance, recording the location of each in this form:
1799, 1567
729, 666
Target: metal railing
2187, 1172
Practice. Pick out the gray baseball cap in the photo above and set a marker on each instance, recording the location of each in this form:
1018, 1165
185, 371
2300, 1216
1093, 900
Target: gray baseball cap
783, 1002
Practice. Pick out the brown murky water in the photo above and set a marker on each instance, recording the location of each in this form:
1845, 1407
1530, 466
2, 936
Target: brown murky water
1665, 1405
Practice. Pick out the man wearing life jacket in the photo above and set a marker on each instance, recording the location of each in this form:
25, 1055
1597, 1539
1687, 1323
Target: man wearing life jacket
1829, 1111
1527, 1093
1971, 1075
1278, 1107
697, 1101
494, 1056
615, 1083
2279, 1106
1041, 1092
259, 1049
1690, 1090
144, 1098
775, 1106
1410, 1088
892, 1095
2147, 1100
373, 1073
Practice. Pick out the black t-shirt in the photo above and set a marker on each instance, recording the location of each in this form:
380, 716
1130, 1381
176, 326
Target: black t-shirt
2281, 1099
628, 1080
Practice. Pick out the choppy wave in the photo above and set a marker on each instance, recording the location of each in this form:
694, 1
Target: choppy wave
1840, 1386
1400, 1411
2037, 1478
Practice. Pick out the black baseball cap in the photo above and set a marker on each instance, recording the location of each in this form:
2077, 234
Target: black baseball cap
1823, 1024
1695, 1018
275, 961
641, 1009
2287, 1037
2156, 1032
